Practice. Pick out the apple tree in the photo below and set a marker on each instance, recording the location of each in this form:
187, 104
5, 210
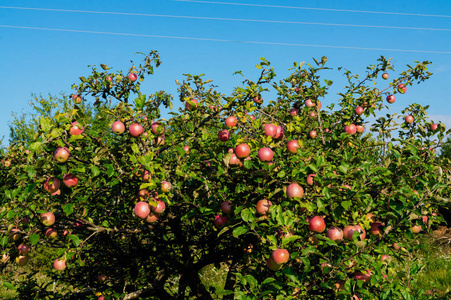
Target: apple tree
288, 198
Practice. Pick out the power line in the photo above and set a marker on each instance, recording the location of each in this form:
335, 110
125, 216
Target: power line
314, 8
223, 40
229, 19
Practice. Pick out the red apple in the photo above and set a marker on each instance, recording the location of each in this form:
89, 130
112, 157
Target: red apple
263, 206
272, 265
231, 121
151, 218
157, 128
384, 257
166, 187
280, 256
186, 148
317, 224
258, 99
350, 129
146, 176
265, 154
310, 180
60, 265
385, 76
22, 260
223, 135
52, 185
159, 208
135, 129
76, 98
220, 221
51, 233
142, 209
292, 146
415, 228
434, 127
402, 88
365, 276
118, 127
335, 234
132, 77
359, 110
24, 249
15, 234
242, 150
234, 160
76, 129
70, 180
191, 104
294, 112
48, 218
270, 130
62, 154
409, 119
227, 207
101, 278
391, 98
312, 134
359, 128
376, 229
349, 231
309, 103
279, 132
294, 190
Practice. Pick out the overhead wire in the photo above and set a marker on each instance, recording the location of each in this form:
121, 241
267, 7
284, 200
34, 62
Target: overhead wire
223, 40
316, 8
228, 19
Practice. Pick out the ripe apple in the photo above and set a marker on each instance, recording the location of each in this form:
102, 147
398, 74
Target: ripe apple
279, 132
365, 275
294, 112
280, 256
186, 148
272, 265
231, 121
22, 260
70, 180
101, 278
76, 129
142, 209
258, 99
151, 218
313, 114
294, 190
263, 206
220, 221
349, 231
235, 160
224, 135
157, 128
146, 176
384, 257
135, 129
270, 130
376, 229
402, 88
434, 127
60, 265
360, 128
118, 127
52, 184
242, 150
24, 249
227, 207
310, 180
7, 163
143, 194
15, 234
76, 98
415, 228
51, 233
309, 103
132, 77
351, 129
62, 154
159, 207
292, 146
385, 76
370, 217
312, 134
335, 234
265, 154
166, 187
317, 224
359, 110
48, 218
191, 104
409, 119
391, 98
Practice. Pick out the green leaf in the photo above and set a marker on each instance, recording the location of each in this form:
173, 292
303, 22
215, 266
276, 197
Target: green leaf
239, 231
34, 239
346, 204
8, 285
135, 148
35, 146
68, 208
289, 239
46, 125
95, 171
75, 240
246, 215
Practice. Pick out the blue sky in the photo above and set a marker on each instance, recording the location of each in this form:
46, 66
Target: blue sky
50, 61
